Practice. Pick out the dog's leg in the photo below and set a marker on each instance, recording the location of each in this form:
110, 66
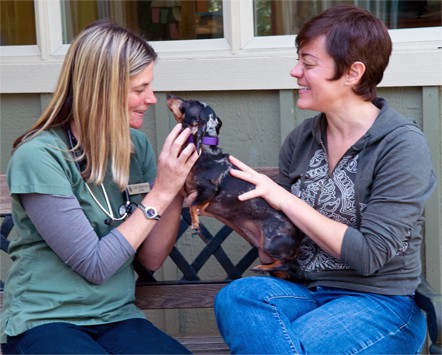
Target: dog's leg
202, 208
194, 216
195, 212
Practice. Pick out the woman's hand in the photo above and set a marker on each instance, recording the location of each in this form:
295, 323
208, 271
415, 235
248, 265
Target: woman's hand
264, 186
174, 162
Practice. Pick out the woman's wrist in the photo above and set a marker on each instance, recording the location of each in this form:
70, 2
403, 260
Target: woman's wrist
159, 200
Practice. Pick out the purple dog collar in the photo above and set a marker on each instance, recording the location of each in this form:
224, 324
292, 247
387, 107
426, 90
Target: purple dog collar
206, 140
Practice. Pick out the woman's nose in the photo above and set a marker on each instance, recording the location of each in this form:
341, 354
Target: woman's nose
151, 99
296, 71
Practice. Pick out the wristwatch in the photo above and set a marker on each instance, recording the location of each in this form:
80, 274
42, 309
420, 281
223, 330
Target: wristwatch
149, 211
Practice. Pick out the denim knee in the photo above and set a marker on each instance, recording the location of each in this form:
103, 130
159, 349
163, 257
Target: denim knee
239, 290
259, 289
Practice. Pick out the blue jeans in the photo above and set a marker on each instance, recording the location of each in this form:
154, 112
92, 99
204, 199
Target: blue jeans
132, 336
267, 315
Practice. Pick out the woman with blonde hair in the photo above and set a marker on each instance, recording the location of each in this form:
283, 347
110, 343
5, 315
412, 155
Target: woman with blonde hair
79, 225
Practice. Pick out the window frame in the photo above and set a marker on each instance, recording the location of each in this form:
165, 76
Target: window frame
242, 61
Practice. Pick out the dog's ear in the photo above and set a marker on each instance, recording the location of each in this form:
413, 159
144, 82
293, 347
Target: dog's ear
220, 124
174, 103
198, 137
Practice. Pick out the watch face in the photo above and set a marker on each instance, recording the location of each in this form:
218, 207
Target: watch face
151, 212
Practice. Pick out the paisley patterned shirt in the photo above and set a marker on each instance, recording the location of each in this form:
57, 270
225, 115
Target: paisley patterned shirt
333, 195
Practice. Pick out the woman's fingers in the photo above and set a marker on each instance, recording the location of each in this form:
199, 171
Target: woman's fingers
171, 137
174, 162
173, 147
189, 154
264, 186
245, 173
240, 164
248, 195
240, 174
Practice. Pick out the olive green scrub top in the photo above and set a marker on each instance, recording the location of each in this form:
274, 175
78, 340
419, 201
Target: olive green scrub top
40, 288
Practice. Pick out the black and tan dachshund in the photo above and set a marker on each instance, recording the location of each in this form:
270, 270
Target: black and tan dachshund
217, 192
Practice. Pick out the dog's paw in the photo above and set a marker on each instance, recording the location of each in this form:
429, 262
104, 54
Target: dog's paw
275, 266
195, 229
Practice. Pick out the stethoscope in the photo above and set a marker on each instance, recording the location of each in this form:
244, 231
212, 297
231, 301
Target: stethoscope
125, 208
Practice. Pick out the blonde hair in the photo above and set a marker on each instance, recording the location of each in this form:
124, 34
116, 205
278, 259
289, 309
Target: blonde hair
92, 93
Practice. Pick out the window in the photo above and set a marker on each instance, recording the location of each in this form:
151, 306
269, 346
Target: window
282, 17
17, 23
208, 44
156, 20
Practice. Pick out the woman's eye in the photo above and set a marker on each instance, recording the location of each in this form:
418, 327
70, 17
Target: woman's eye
140, 90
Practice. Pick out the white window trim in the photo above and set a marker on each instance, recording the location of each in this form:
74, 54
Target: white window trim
239, 61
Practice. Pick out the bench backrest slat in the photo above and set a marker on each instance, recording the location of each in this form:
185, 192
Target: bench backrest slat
171, 295
5, 201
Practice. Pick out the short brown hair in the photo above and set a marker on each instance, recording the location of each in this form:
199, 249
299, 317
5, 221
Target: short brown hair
352, 34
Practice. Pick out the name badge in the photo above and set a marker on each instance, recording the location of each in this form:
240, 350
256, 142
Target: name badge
142, 188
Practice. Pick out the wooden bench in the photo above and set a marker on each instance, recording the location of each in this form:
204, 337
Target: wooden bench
192, 292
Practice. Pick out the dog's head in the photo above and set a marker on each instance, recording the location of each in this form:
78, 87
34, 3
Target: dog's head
196, 115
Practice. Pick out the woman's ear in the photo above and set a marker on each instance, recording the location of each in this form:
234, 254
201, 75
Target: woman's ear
354, 74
